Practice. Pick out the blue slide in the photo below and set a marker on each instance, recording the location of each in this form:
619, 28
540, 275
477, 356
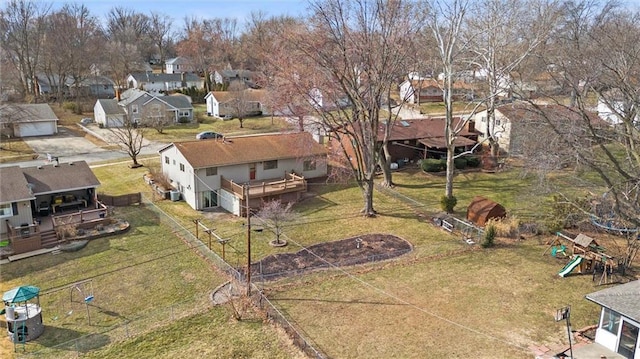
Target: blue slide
570, 266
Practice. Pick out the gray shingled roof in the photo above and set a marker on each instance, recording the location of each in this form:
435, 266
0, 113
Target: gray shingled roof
13, 185
151, 77
624, 299
111, 107
63, 177
33, 112
180, 102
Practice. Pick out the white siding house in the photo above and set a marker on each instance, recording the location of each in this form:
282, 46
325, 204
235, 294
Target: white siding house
107, 113
211, 173
156, 83
178, 65
619, 322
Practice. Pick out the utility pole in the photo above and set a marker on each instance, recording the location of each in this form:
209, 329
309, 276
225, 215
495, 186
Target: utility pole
246, 196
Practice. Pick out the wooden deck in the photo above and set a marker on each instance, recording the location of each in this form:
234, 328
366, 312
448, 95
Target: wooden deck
258, 189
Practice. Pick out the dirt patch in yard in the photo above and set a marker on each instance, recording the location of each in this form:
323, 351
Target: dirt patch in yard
351, 251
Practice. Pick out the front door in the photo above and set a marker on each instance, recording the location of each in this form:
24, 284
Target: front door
252, 171
628, 339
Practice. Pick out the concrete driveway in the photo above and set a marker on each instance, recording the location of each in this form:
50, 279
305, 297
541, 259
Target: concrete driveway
63, 144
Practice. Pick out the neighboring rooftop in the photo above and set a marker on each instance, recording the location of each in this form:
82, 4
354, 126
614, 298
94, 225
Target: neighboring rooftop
621, 298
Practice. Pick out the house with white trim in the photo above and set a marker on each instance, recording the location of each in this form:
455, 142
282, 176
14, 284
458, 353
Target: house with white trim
156, 83
619, 323
221, 104
178, 65
225, 172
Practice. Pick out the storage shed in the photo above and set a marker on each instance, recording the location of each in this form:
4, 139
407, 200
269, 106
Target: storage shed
482, 209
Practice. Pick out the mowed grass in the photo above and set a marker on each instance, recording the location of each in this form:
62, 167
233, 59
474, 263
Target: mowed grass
143, 278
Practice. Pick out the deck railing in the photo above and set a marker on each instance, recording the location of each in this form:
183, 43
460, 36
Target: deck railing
290, 183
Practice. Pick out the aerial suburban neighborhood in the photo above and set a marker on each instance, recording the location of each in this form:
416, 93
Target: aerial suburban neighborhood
325, 179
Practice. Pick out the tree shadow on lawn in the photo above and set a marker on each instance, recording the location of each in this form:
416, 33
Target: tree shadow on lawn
71, 340
366, 248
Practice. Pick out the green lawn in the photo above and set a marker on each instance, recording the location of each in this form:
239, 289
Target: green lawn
445, 298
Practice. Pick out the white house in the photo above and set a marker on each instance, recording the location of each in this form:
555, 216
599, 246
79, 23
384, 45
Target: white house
27, 120
156, 83
213, 173
518, 122
611, 108
619, 322
107, 113
178, 65
220, 103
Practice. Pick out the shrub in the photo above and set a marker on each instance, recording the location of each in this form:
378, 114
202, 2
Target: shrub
489, 236
433, 165
73, 107
183, 120
473, 161
506, 227
448, 203
460, 163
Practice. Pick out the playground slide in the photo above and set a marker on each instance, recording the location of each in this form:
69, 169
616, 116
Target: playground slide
570, 266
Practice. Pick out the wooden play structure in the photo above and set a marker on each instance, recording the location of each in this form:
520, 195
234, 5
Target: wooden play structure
586, 256
482, 209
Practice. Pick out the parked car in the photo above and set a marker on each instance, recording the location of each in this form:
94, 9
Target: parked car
208, 134
86, 121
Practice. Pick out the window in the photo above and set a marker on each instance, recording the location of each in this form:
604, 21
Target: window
483, 119
270, 165
182, 167
166, 159
309, 165
610, 321
174, 162
134, 108
184, 114
6, 210
211, 171
497, 122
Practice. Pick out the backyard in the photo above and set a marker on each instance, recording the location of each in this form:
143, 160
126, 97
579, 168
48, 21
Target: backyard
444, 298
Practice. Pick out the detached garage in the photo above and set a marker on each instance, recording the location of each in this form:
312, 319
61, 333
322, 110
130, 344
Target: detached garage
28, 120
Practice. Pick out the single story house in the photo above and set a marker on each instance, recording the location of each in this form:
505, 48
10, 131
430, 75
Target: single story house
93, 86
222, 104
178, 65
157, 83
139, 106
227, 76
107, 113
30, 193
26, 120
213, 173
619, 323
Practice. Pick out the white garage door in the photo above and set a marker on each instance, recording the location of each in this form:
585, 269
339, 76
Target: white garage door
36, 129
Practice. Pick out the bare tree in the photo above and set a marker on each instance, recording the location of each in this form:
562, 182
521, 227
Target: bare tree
22, 25
156, 116
603, 59
501, 34
356, 47
130, 138
160, 34
447, 20
276, 215
240, 104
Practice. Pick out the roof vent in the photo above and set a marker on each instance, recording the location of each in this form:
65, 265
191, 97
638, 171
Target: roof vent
70, 163
39, 167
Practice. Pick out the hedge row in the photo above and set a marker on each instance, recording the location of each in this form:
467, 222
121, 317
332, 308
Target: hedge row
434, 165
